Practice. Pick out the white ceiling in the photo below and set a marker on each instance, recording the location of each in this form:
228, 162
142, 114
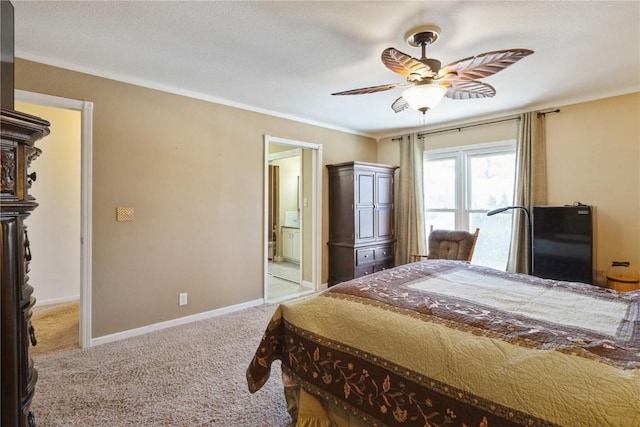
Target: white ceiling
286, 58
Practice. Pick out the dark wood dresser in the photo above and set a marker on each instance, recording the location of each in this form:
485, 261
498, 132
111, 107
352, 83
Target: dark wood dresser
361, 220
19, 133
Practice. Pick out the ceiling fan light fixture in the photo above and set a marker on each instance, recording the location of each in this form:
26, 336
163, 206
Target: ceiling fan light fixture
424, 97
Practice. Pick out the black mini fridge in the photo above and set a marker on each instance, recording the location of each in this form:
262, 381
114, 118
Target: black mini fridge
563, 243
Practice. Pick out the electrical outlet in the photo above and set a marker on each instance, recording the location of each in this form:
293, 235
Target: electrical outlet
183, 299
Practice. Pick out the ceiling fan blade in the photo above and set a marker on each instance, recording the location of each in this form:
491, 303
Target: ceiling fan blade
399, 104
470, 89
405, 65
372, 89
485, 64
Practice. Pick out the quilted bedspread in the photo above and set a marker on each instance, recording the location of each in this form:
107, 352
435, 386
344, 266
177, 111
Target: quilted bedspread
438, 343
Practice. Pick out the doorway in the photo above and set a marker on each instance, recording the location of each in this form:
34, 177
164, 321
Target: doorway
284, 272
82, 254
292, 213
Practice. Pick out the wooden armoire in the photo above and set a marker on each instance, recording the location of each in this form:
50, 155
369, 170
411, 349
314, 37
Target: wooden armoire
361, 219
19, 133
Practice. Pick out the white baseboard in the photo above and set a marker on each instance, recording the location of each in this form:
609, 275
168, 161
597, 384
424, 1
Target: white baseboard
307, 284
174, 322
51, 301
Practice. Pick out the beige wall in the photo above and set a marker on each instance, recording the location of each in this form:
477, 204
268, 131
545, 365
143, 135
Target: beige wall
593, 156
193, 171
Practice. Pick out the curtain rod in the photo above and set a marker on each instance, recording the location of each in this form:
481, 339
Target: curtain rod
544, 113
459, 128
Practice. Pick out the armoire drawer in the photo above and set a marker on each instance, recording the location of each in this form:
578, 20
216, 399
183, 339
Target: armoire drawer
365, 271
365, 256
383, 265
383, 252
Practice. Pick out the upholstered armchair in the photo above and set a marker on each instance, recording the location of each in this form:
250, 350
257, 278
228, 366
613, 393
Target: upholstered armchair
450, 244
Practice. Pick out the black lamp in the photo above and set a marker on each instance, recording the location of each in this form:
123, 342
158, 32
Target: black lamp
529, 229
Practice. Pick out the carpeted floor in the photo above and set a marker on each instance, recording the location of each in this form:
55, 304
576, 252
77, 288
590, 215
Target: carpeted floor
56, 327
190, 375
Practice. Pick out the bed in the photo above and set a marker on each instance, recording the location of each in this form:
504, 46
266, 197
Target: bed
447, 343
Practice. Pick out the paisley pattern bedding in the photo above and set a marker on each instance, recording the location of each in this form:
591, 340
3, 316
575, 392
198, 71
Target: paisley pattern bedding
438, 343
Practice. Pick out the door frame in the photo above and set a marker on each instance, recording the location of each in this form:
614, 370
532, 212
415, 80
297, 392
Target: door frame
86, 215
316, 213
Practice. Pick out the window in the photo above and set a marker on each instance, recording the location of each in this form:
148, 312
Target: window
462, 184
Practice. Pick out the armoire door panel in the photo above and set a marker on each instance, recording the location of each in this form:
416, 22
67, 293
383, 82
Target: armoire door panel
365, 229
385, 223
384, 189
365, 194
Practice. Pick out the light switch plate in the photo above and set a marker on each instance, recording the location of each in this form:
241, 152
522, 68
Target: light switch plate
124, 214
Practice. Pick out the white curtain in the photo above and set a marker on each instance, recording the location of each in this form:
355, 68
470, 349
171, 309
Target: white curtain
410, 231
530, 186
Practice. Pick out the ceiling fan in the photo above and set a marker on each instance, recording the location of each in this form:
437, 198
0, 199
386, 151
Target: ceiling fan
428, 82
